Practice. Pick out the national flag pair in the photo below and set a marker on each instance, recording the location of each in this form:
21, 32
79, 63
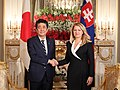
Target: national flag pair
87, 18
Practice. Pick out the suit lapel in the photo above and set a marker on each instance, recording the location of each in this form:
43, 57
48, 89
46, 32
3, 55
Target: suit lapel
38, 43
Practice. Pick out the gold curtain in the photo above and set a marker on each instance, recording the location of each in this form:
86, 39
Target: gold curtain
35, 5
32, 8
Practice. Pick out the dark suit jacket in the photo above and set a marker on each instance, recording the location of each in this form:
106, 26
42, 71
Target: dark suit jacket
39, 61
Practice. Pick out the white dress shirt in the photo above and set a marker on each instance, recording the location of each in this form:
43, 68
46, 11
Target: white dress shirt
45, 42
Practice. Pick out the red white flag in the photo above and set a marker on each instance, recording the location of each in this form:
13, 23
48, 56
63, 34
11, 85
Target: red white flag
25, 33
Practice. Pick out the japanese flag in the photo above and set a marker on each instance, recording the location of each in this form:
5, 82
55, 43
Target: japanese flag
25, 33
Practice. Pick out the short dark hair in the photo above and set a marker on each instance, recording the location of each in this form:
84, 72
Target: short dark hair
41, 21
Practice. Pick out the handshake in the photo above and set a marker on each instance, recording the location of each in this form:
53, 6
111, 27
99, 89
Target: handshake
53, 62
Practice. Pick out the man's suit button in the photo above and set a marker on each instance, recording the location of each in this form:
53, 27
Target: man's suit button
44, 67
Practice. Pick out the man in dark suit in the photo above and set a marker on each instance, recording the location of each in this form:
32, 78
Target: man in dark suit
41, 50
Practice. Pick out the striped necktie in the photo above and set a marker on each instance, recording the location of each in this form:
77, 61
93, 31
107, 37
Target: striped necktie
43, 45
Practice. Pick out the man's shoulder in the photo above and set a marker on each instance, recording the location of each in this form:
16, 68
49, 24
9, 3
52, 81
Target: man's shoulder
51, 39
32, 38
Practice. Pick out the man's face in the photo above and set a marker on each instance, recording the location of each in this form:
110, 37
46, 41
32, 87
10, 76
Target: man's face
42, 29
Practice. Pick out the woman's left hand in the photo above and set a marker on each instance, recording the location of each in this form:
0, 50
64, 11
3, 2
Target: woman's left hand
89, 81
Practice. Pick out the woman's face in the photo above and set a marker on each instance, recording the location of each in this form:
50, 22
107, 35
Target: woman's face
77, 32
42, 29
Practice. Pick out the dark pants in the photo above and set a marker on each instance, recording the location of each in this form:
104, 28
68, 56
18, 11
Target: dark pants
43, 85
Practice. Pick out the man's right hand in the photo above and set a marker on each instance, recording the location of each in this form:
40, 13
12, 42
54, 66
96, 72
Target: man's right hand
53, 62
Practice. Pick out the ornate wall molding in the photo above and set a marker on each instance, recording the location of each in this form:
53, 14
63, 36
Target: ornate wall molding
104, 49
12, 49
15, 66
3, 77
12, 42
104, 56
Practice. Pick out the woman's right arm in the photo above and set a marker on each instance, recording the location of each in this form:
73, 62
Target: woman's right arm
66, 60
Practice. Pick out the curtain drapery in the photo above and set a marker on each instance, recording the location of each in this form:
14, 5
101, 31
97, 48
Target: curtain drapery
35, 5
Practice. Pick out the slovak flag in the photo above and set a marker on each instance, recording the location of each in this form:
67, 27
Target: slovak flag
25, 33
87, 18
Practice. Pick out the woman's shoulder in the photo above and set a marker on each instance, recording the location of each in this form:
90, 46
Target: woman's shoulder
68, 43
88, 44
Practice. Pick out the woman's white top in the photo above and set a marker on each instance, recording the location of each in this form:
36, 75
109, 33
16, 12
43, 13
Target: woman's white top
73, 50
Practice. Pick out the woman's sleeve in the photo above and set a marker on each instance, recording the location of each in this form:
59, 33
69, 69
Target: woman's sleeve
91, 59
66, 60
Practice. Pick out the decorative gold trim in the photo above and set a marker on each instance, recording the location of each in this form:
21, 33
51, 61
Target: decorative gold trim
110, 71
2, 65
11, 42
13, 57
16, 87
105, 58
106, 43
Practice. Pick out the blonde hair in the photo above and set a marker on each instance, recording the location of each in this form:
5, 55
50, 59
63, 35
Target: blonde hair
85, 37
